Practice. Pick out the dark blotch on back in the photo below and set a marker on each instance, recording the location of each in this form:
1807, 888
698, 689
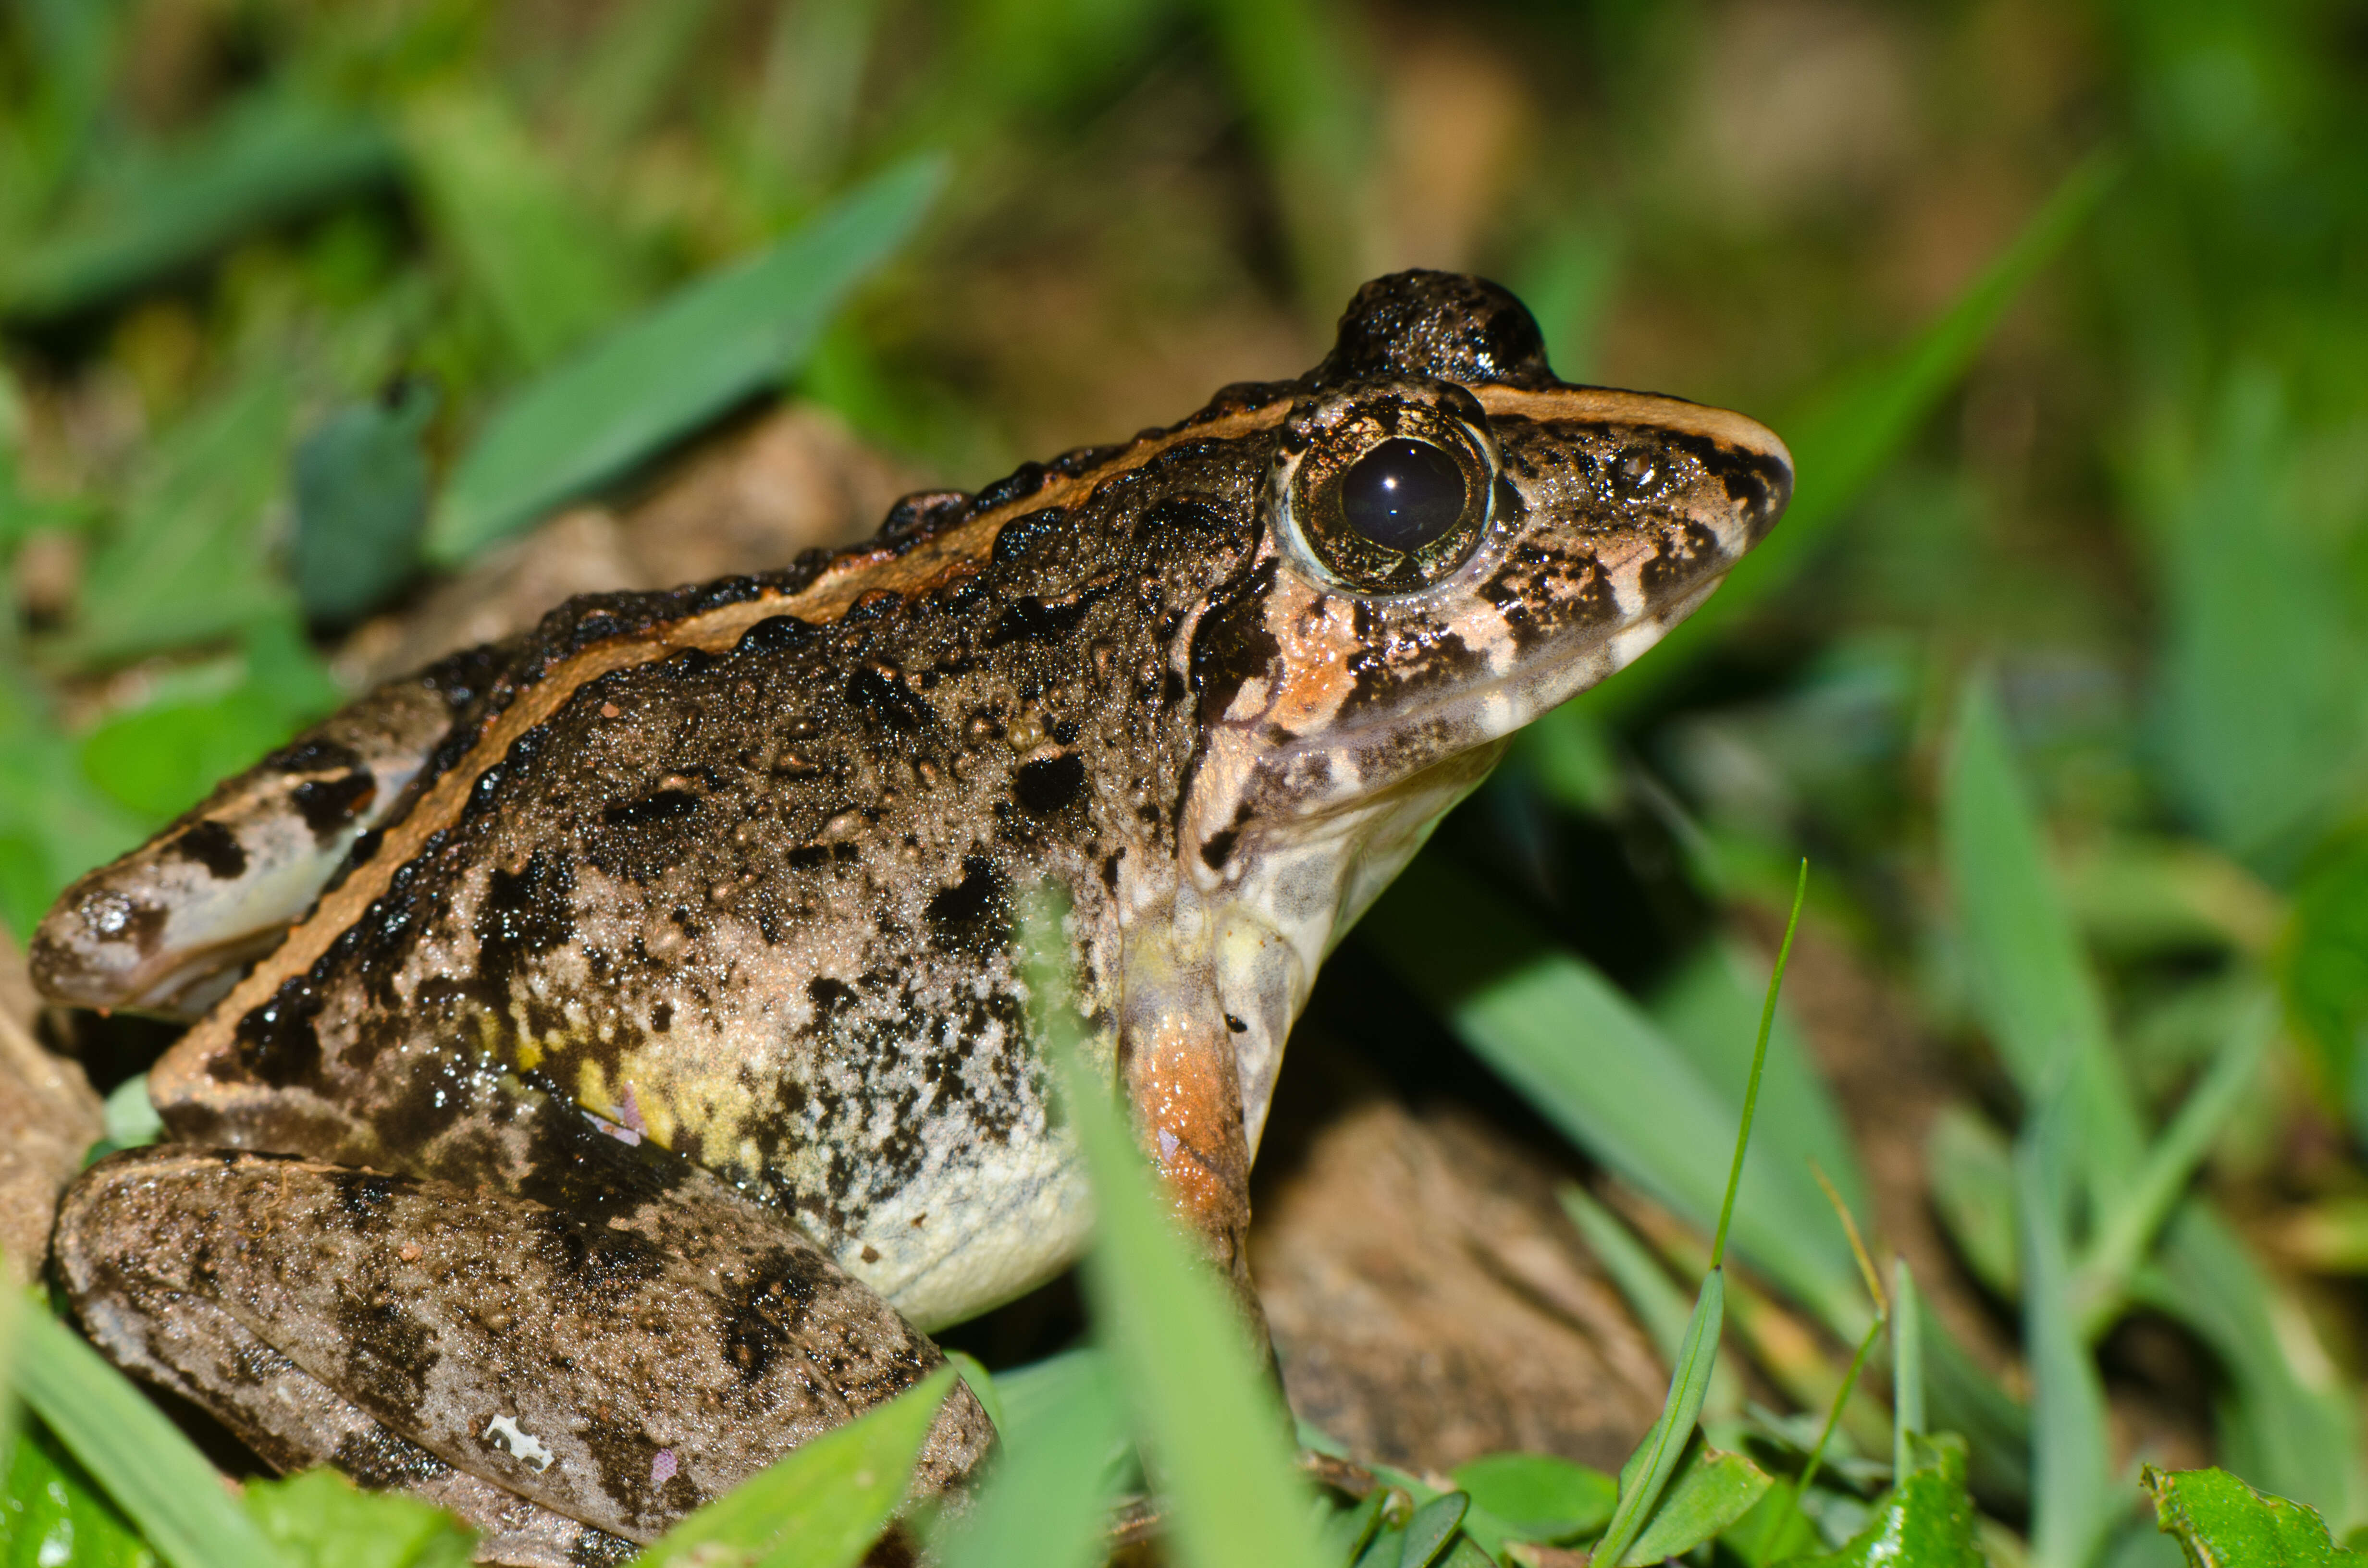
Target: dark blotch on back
1048, 786
277, 1041
389, 1353
973, 918
667, 805
214, 846
329, 805
888, 700
524, 914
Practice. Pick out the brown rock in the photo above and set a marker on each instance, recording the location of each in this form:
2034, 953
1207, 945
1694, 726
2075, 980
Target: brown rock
1431, 1304
49, 1117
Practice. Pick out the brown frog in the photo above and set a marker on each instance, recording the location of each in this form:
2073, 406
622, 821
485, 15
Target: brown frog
635, 1063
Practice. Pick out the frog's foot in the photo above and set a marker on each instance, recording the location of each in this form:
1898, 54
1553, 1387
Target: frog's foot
537, 1372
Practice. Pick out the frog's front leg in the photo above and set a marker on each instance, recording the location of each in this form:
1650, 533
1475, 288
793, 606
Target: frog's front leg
617, 1364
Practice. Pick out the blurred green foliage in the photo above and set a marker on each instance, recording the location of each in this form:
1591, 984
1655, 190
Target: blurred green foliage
2060, 668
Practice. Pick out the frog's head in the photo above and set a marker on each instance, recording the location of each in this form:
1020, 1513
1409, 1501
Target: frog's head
1455, 542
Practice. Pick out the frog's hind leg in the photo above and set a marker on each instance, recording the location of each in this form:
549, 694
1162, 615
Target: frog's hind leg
166, 928
613, 1369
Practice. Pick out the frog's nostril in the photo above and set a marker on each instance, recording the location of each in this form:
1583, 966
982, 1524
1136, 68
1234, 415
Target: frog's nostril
1635, 473
1403, 494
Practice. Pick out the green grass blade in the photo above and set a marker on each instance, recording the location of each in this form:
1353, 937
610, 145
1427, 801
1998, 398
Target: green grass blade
546, 270
51, 1512
2289, 1424
1789, 1509
1846, 434
2030, 981
820, 1505
266, 158
2127, 1229
1045, 1504
686, 359
1907, 1368
1650, 1293
2073, 1504
1759, 1066
140, 1458
1593, 1064
2262, 728
1647, 1475
1707, 1009
1211, 1424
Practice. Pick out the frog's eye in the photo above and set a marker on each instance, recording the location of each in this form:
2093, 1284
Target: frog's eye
1389, 505
1403, 494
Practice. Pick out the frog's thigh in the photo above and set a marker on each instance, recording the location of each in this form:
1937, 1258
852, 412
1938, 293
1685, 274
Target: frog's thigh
619, 1370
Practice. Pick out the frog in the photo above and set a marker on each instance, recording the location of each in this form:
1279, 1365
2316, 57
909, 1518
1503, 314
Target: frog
612, 1053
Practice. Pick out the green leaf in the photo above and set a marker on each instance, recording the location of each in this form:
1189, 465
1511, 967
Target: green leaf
681, 362
1847, 433
2220, 1522
1711, 1491
267, 157
1433, 1525
821, 1505
1207, 1415
360, 486
53, 1513
551, 273
2030, 981
1045, 1502
1538, 1496
1925, 1520
1595, 1066
322, 1520
139, 1458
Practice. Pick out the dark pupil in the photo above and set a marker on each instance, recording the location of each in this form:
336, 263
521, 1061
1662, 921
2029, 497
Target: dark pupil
1403, 494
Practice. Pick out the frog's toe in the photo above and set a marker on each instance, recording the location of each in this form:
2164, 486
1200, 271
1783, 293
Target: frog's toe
616, 1370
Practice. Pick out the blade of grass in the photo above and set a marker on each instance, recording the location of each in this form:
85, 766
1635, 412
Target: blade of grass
2289, 1422
1771, 1531
1846, 434
1649, 1292
1648, 1470
2072, 1497
267, 157
1045, 1502
2127, 1230
546, 270
1907, 1368
1212, 1427
1593, 1064
2030, 981
686, 359
139, 1458
820, 1505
